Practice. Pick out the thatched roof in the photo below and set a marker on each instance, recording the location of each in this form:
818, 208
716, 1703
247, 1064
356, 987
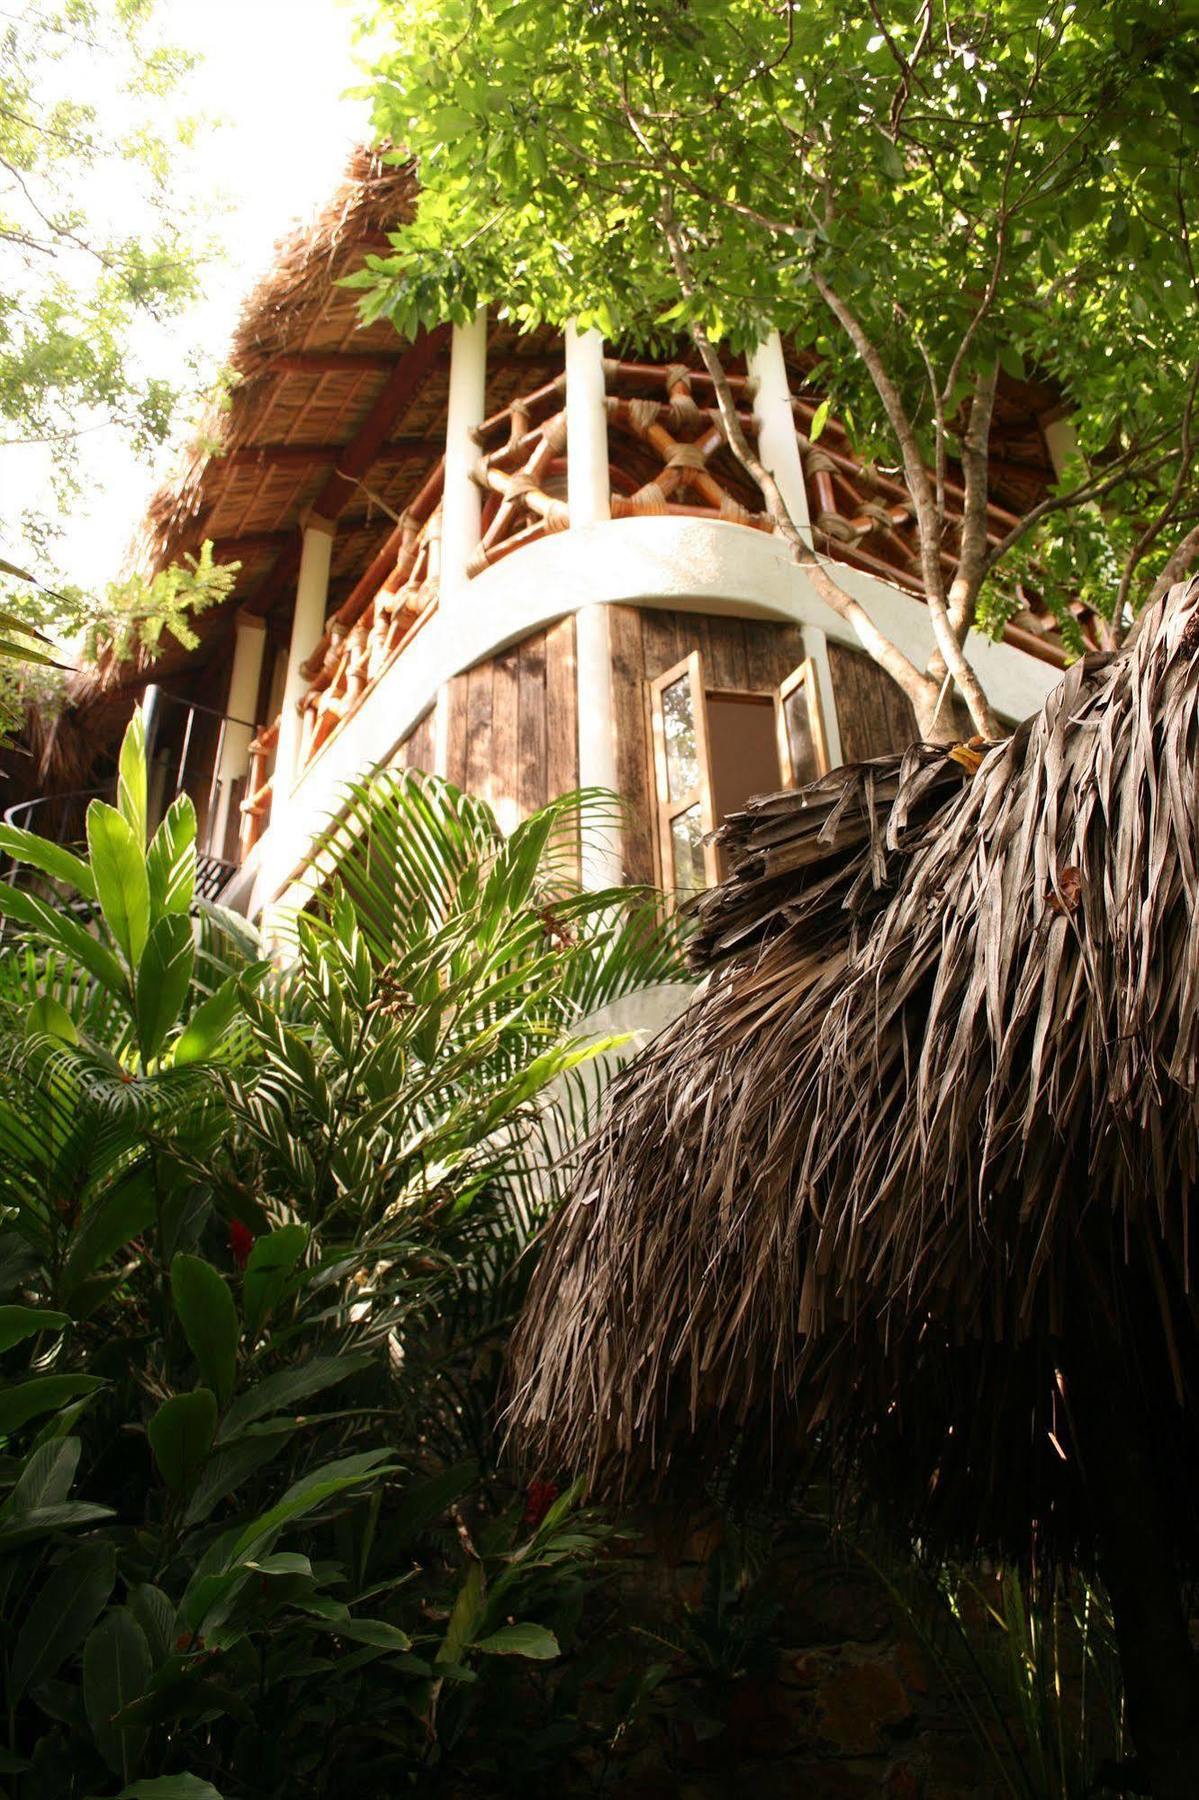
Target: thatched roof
934, 1109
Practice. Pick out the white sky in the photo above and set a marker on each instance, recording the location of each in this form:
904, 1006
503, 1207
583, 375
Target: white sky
273, 74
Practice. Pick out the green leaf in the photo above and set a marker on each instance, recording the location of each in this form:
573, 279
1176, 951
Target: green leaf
46, 1521
279, 1392
170, 1787
270, 1263
533, 1641
209, 1319
163, 978
116, 1668
305, 1495
64, 933
181, 1434
119, 866
207, 1025
62, 1614
124, 1212
171, 860
374, 1631
48, 1476
819, 421
45, 1393
47, 1017
131, 778
51, 859
155, 1614
465, 1618
17, 1322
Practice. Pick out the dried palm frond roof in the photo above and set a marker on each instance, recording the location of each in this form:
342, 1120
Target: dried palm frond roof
934, 1108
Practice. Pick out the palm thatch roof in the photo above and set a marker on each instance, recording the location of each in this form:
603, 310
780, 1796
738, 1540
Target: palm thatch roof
933, 1111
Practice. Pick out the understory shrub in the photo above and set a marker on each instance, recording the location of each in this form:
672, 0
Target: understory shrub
262, 1234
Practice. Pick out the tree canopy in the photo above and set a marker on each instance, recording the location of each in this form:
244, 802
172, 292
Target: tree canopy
923, 196
97, 243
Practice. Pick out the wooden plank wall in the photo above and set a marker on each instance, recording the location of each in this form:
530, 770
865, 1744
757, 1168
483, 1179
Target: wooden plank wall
416, 751
747, 654
873, 714
875, 717
512, 729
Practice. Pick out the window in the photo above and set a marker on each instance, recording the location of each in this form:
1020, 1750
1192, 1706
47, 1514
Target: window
714, 748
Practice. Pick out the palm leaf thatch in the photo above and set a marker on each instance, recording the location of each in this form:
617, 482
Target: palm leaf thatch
924, 1143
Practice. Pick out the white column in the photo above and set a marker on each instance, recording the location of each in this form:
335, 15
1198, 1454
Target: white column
587, 486
242, 704
308, 622
603, 861
462, 504
815, 648
777, 443
1061, 441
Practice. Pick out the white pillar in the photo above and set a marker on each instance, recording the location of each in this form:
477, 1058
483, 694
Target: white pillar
603, 860
242, 704
1061, 441
815, 648
588, 489
462, 503
778, 445
308, 622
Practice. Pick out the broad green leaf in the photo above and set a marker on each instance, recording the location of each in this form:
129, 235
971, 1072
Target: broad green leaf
119, 866
47, 1477
155, 1613
17, 1322
181, 1434
374, 1631
48, 1521
207, 1025
278, 1393
533, 1641
62, 1614
819, 421
131, 778
305, 1495
116, 1669
163, 978
171, 860
27, 1400
50, 858
270, 1263
64, 933
109, 1222
465, 1617
227, 1468
170, 1787
209, 1319
48, 1017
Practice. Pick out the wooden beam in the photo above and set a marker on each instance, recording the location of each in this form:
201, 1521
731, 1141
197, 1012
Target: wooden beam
306, 456
371, 440
254, 543
335, 362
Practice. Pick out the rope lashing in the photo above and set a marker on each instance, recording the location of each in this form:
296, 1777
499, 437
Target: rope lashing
834, 526
686, 456
642, 414
553, 433
818, 462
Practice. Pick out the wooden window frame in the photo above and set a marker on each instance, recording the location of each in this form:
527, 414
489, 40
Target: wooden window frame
691, 670
805, 676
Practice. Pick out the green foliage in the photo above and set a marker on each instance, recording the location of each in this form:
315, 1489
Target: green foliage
975, 185
262, 1235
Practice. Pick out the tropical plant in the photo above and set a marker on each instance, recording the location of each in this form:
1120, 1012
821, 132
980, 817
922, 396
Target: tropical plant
262, 1234
921, 197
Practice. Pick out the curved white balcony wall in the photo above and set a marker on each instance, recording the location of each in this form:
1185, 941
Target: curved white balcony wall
696, 565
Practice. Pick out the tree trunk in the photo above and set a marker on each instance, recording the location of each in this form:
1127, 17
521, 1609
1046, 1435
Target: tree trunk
1139, 1566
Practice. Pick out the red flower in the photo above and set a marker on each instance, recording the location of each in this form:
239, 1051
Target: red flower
539, 1497
241, 1242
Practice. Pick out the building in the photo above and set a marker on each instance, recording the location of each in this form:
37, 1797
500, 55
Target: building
526, 563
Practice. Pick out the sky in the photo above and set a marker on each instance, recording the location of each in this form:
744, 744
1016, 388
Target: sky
272, 77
